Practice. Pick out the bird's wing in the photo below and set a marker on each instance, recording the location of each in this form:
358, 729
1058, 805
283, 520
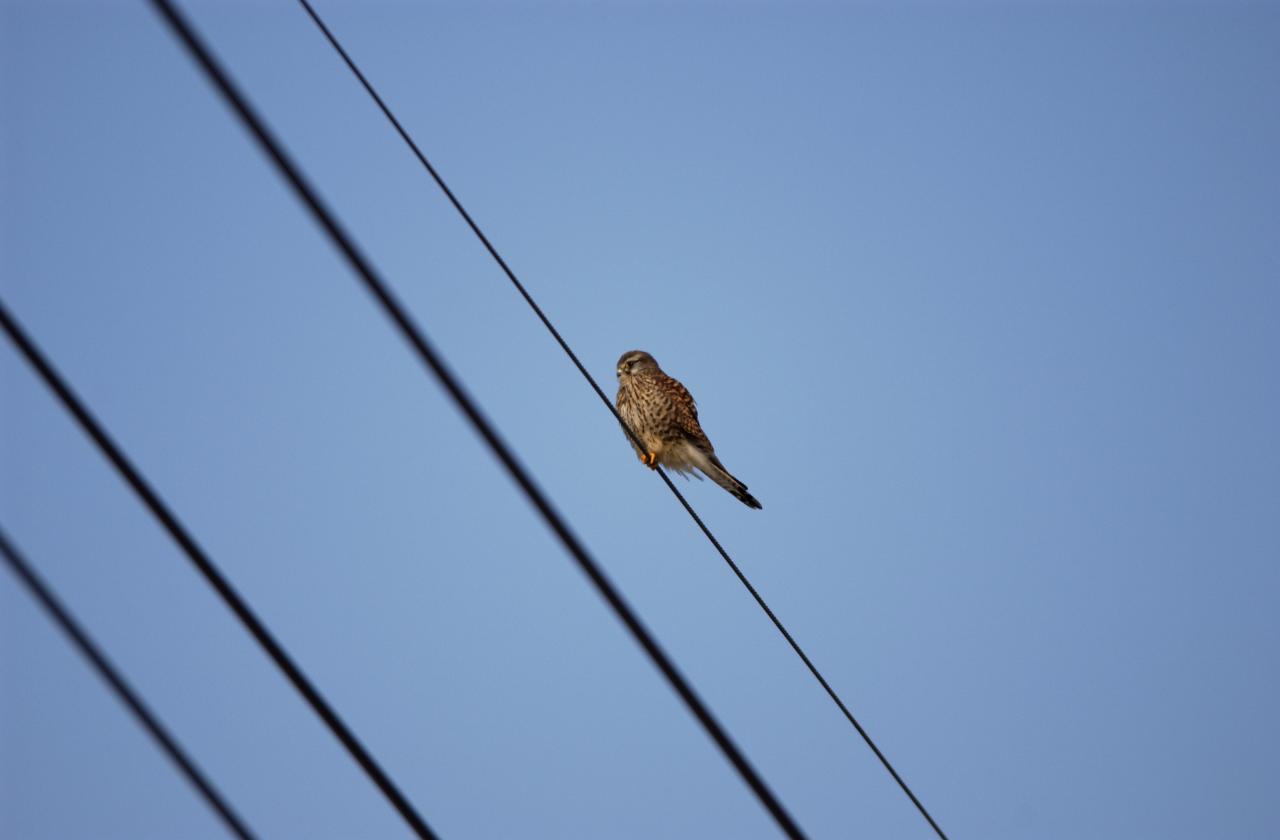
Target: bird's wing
687, 415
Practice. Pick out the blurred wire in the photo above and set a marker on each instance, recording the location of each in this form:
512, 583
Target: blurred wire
483, 426
206, 567
91, 651
493, 252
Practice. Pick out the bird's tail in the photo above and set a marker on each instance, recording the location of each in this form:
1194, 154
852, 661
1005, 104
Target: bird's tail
715, 471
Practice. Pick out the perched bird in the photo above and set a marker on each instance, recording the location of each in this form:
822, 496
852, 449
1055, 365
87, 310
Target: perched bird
662, 414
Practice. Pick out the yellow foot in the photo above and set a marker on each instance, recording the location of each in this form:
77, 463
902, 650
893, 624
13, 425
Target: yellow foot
650, 460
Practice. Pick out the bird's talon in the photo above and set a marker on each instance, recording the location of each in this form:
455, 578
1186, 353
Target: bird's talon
650, 460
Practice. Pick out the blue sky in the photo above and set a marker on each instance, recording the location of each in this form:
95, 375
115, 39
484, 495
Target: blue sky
979, 299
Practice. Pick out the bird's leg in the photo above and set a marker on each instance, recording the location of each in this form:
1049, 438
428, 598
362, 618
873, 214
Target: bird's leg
650, 460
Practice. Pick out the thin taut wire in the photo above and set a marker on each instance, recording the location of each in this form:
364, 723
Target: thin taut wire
80, 637
417, 339
493, 252
205, 565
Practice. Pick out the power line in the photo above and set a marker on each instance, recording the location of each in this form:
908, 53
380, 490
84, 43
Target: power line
41, 591
483, 426
493, 252
205, 565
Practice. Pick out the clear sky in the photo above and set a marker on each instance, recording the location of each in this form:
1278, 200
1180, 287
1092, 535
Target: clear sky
981, 300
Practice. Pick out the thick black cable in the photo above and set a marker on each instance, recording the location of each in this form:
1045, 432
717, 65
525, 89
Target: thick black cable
41, 591
95, 430
418, 341
493, 252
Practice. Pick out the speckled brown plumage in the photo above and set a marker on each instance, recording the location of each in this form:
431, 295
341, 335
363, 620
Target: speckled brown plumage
664, 416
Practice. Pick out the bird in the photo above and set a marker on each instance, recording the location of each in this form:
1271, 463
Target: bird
662, 414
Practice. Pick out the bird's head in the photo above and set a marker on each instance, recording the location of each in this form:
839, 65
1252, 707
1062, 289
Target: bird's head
634, 361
